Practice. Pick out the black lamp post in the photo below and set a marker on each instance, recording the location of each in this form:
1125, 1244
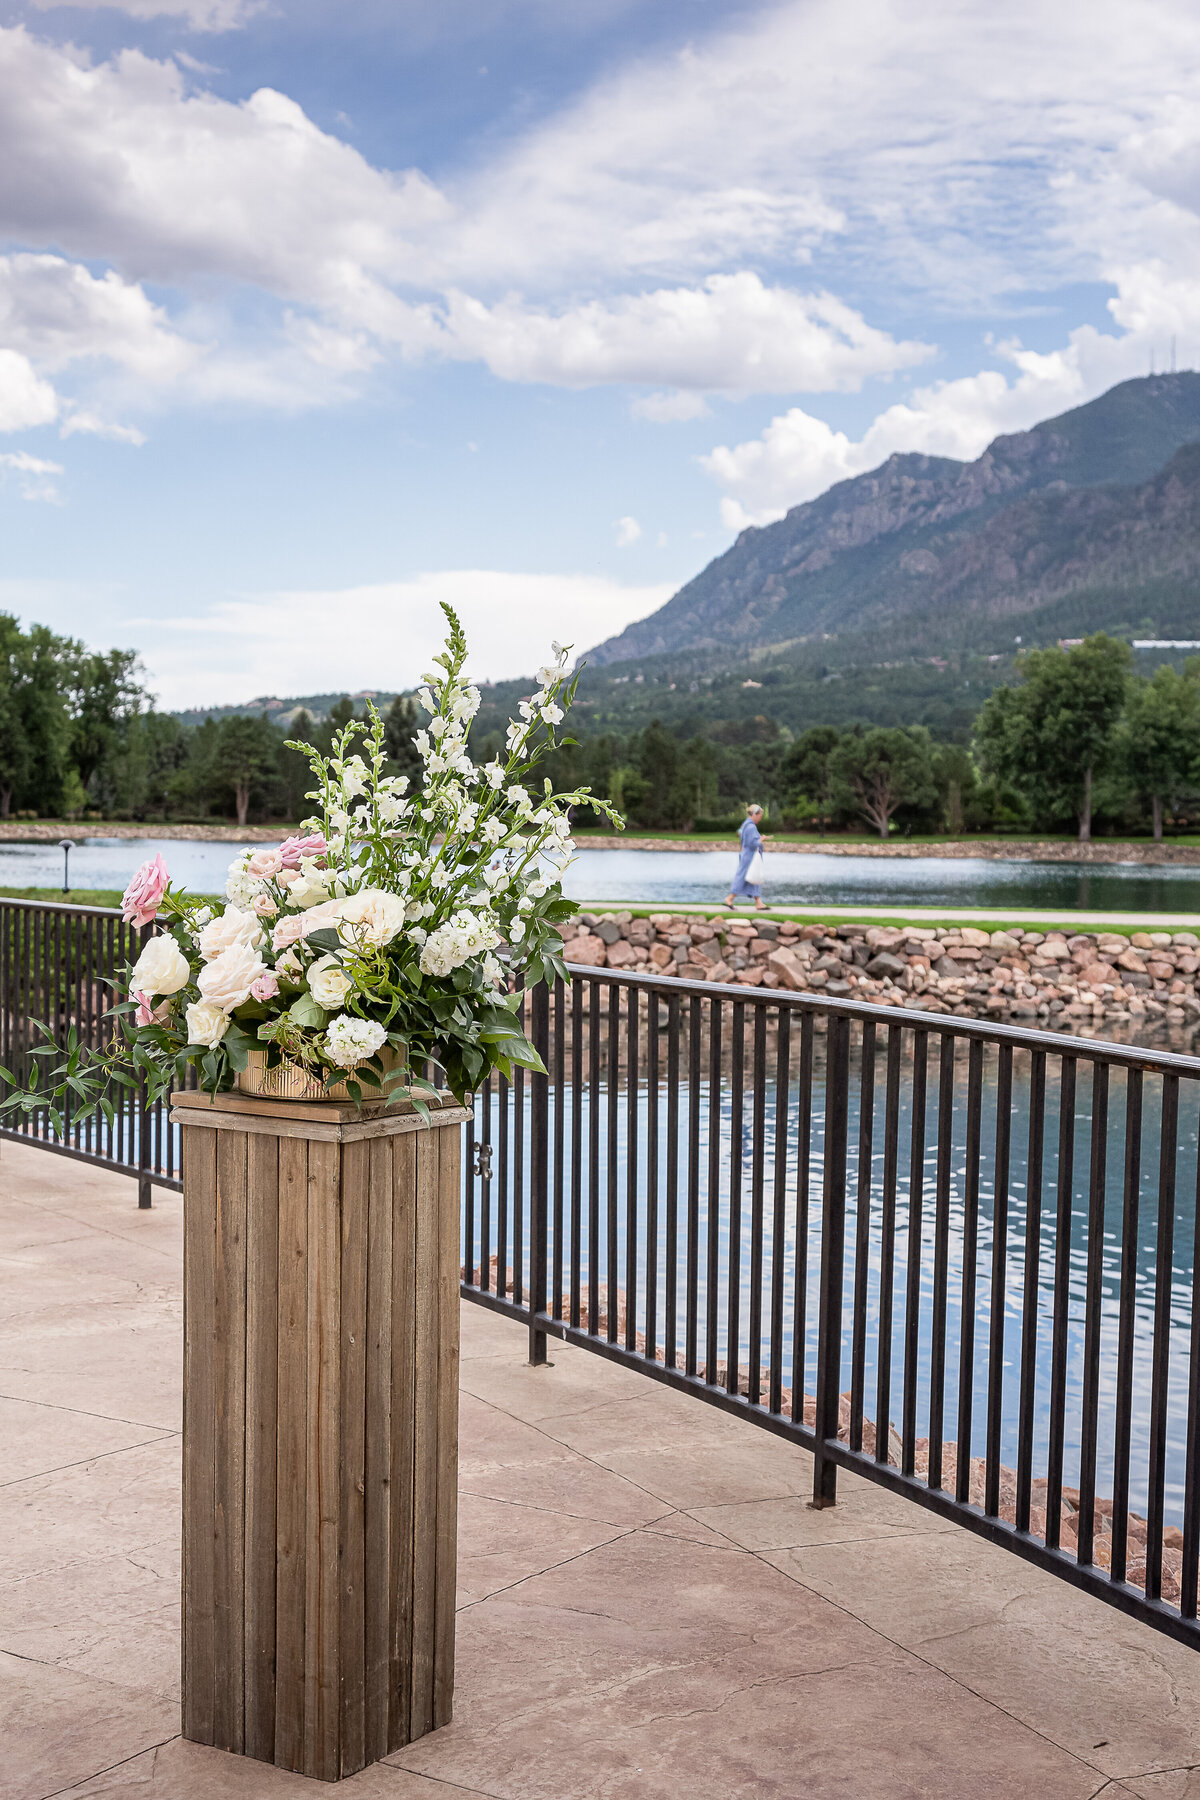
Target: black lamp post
66, 845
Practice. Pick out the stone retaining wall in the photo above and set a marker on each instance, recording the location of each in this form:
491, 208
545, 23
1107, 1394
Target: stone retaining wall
1023, 976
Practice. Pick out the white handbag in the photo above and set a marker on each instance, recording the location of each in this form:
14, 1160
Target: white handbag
756, 870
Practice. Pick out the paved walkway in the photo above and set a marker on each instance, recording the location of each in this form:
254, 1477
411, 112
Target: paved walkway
649, 1611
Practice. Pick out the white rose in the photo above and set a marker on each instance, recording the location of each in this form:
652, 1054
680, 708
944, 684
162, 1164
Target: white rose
312, 887
231, 927
206, 1023
162, 968
328, 982
228, 978
371, 916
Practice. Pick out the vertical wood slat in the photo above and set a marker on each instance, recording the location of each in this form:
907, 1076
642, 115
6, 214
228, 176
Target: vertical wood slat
446, 1146
321, 1298
378, 1452
425, 1424
292, 1460
404, 1365
229, 1383
262, 1378
351, 1438
199, 1434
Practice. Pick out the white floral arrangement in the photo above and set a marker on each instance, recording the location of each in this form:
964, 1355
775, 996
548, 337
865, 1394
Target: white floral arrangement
385, 936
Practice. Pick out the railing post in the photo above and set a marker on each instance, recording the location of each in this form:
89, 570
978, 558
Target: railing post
833, 1245
539, 1168
145, 1185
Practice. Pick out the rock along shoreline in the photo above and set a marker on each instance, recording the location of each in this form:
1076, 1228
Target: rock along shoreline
1055, 978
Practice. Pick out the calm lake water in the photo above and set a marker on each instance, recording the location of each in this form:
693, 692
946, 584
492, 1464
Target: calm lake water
1012, 1260
670, 876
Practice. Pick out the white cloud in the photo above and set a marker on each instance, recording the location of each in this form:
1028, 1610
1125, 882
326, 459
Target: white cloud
90, 423
946, 153
198, 15
32, 472
25, 399
123, 160
56, 312
385, 635
628, 531
732, 332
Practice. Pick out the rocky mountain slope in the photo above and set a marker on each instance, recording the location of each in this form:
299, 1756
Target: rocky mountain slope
1104, 500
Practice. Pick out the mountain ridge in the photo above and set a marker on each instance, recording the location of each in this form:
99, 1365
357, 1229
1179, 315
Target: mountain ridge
864, 553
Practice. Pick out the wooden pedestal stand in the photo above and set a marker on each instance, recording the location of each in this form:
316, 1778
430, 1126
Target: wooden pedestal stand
320, 1454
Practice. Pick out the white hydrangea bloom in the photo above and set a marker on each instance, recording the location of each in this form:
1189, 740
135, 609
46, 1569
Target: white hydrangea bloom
349, 1040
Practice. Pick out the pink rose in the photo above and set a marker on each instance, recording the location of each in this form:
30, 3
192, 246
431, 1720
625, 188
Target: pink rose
145, 1012
293, 848
264, 863
264, 906
143, 896
265, 988
286, 877
288, 930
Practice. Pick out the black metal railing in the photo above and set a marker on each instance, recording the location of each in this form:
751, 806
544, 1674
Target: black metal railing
956, 1258
59, 966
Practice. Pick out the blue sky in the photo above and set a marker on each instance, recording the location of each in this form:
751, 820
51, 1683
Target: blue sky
311, 315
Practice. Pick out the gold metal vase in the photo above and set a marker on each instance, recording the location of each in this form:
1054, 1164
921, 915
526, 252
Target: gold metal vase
290, 1081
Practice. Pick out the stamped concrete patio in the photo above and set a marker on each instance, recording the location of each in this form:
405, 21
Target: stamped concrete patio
647, 1607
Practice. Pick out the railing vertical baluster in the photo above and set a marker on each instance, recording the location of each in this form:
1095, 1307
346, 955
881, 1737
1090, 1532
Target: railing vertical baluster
670, 1346
1190, 1572
631, 1168
652, 1176
577, 1032
912, 1279
887, 1244
594, 1056
713, 1208
803, 1167
862, 1234
1031, 1287
758, 1085
941, 1256
1093, 1299
612, 1119
1060, 1329
997, 1292
692, 1273
833, 1250
518, 1160
1161, 1354
470, 1177
558, 1074
1127, 1323
970, 1257
733, 1239
539, 1170
778, 1215
485, 1194
504, 1088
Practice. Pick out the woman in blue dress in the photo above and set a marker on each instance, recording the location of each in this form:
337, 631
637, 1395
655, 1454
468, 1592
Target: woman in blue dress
751, 841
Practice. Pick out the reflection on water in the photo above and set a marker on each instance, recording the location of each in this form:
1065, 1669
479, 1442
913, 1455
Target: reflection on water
1010, 1254
704, 875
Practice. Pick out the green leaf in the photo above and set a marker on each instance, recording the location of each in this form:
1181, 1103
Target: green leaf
305, 1012
325, 939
